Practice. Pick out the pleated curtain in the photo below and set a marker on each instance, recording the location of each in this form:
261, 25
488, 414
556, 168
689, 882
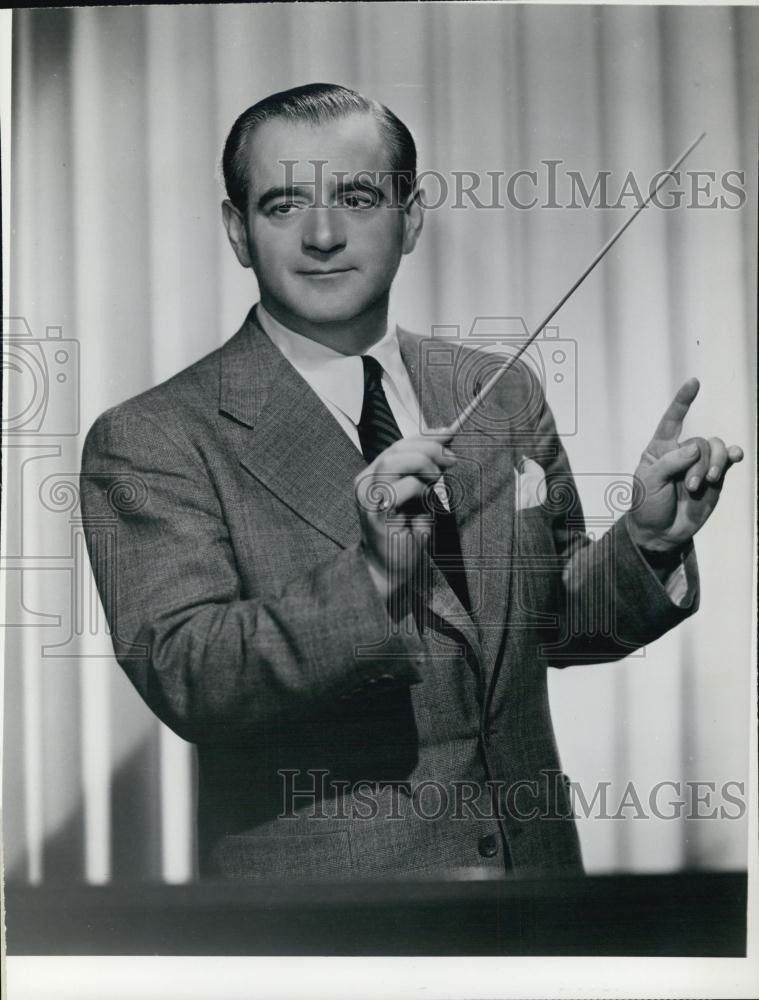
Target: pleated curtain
119, 117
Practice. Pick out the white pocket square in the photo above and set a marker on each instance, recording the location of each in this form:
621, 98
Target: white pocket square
530, 484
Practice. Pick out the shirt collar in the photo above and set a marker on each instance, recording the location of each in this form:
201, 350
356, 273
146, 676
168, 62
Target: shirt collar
336, 377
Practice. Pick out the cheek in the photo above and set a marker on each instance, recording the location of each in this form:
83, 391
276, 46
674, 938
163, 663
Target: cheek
267, 257
382, 245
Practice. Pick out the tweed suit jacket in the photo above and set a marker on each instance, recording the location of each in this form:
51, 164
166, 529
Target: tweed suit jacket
336, 740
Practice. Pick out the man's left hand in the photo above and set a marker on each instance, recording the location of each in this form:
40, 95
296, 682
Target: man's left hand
681, 482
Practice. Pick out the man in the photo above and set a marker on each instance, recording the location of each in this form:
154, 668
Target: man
351, 614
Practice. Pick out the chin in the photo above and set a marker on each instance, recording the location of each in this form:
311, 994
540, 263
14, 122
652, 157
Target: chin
326, 315
328, 309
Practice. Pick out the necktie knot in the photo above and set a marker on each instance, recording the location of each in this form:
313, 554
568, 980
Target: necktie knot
372, 372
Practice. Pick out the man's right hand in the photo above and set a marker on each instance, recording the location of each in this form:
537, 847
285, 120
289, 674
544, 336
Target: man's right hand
395, 526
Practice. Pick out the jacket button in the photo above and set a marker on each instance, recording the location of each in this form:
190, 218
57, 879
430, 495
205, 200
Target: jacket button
487, 845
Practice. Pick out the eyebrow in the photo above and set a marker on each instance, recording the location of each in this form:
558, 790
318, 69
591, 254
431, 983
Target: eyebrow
305, 191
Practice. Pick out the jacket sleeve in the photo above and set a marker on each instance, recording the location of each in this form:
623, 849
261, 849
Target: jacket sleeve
611, 600
211, 665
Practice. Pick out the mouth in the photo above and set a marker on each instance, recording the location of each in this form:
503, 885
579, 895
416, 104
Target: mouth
320, 273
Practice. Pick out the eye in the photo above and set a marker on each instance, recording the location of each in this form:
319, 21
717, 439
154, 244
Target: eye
359, 200
284, 208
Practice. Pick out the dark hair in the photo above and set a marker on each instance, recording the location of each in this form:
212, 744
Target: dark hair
316, 103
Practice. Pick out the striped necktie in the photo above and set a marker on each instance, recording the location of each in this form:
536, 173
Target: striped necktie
377, 430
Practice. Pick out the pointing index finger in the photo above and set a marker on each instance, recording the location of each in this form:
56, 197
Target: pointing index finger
671, 424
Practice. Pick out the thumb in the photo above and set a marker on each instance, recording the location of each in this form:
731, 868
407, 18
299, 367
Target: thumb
675, 462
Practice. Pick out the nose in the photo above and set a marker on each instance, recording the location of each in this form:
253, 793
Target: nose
324, 231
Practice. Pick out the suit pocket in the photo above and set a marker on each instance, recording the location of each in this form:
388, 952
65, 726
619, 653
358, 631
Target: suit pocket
285, 857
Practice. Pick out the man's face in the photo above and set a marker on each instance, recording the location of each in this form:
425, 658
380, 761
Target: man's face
324, 244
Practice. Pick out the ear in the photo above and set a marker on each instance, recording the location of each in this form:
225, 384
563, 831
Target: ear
413, 220
234, 223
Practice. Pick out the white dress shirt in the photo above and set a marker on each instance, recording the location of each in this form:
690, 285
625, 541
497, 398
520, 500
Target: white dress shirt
338, 379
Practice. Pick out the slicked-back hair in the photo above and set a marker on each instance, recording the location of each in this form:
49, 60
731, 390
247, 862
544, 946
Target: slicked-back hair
316, 104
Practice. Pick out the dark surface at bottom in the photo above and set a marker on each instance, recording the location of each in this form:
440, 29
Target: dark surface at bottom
665, 915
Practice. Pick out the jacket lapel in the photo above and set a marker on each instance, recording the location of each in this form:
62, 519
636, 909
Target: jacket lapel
481, 485
297, 449
293, 445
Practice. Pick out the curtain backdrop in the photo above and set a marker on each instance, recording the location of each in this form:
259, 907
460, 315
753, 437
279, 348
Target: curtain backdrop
121, 269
